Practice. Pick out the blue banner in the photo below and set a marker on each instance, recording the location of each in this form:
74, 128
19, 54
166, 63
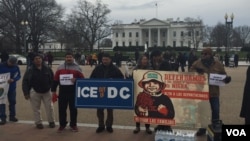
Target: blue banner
105, 93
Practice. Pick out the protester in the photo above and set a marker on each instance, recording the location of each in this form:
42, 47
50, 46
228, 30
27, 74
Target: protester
10, 67
191, 58
4, 56
50, 59
118, 58
70, 70
158, 63
245, 112
142, 63
99, 56
207, 64
36, 86
137, 54
106, 70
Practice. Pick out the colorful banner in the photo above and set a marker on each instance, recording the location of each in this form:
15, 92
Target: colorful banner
171, 98
105, 93
4, 87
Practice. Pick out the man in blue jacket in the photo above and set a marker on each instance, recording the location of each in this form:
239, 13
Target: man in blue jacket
10, 67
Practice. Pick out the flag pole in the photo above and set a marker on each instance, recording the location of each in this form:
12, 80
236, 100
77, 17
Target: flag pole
156, 8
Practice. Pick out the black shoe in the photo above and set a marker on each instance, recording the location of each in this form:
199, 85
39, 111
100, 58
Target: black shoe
52, 125
109, 129
13, 119
99, 129
201, 132
148, 131
39, 126
137, 130
3, 121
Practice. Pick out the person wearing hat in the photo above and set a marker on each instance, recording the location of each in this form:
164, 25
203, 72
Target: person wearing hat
106, 70
207, 64
36, 86
10, 67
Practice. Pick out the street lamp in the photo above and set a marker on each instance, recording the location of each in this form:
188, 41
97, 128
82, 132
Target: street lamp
24, 23
229, 27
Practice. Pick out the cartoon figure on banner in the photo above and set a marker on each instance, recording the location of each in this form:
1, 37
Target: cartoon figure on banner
152, 102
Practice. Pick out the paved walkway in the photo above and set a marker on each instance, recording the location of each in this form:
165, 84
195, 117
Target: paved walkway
26, 131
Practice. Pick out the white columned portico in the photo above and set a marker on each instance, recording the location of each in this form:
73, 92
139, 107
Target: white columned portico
159, 37
149, 38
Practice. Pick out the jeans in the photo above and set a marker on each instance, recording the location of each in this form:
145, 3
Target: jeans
215, 108
12, 105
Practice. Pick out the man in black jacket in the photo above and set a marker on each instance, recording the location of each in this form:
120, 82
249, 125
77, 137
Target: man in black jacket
106, 70
36, 85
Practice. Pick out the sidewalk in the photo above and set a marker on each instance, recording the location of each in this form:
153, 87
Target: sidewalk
26, 131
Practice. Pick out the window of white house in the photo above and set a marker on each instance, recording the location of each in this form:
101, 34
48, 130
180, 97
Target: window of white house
163, 34
163, 43
181, 43
116, 43
174, 33
197, 33
189, 43
146, 34
130, 43
123, 34
130, 34
116, 34
182, 33
174, 43
137, 34
137, 43
123, 44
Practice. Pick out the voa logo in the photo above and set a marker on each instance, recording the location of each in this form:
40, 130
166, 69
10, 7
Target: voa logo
236, 132
99, 92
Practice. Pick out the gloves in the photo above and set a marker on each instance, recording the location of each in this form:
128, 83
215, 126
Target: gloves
27, 97
54, 97
227, 79
199, 70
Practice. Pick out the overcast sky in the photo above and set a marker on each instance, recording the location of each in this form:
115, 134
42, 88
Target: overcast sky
210, 11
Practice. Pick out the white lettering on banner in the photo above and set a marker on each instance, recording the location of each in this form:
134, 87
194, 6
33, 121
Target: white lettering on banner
236, 132
112, 92
87, 92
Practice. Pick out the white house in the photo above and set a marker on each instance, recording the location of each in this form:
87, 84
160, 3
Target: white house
155, 32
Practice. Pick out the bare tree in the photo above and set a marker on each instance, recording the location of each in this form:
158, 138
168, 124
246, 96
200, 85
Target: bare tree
243, 33
207, 39
194, 31
41, 17
218, 35
10, 17
91, 21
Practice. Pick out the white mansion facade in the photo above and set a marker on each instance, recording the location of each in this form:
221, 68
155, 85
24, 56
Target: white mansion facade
158, 33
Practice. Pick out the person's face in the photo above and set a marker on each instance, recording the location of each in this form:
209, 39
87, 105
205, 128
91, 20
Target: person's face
144, 61
69, 59
37, 60
157, 58
152, 86
205, 56
106, 61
